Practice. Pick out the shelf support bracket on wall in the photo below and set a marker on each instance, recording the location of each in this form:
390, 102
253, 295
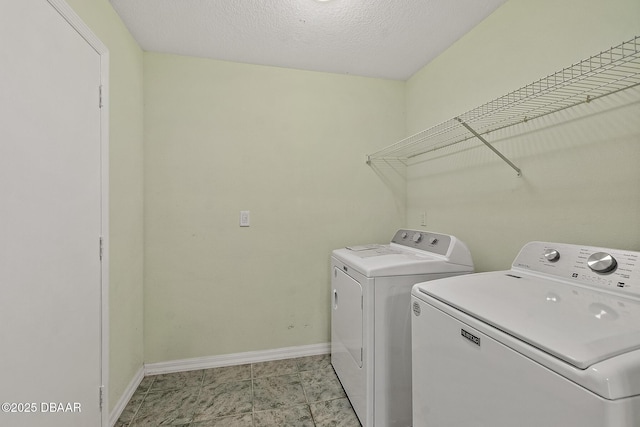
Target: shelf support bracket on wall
485, 142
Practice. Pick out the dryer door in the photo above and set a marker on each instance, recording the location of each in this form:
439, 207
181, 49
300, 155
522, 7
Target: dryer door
346, 316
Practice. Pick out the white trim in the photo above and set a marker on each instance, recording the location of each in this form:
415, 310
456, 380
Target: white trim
101, 49
78, 24
106, 263
126, 397
235, 359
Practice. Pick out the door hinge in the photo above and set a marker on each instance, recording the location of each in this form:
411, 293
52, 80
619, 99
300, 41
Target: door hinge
101, 393
100, 96
101, 248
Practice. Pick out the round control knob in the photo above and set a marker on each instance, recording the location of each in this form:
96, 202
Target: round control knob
416, 237
404, 235
433, 240
602, 262
551, 255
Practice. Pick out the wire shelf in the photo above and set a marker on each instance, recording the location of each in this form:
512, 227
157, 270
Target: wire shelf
603, 74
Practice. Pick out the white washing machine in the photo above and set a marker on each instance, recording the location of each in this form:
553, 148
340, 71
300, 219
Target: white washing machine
555, 341
371, 320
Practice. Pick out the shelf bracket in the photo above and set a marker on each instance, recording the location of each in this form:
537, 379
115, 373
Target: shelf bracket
485, 142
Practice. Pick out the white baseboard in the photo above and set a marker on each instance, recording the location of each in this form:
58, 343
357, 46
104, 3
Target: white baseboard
235, 359
126, 396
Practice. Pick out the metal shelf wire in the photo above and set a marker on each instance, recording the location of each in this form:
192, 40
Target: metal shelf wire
603, 74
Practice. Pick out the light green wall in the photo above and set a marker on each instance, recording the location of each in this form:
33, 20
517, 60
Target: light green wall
580, 175
287, 145
125, 193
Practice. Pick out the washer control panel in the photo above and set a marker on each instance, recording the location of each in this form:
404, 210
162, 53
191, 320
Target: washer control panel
423, 240
614, 269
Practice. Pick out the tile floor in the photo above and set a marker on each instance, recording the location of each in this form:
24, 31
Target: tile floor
302, 392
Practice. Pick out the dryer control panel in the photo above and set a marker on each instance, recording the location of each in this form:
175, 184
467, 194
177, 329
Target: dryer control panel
616, 270
423, 240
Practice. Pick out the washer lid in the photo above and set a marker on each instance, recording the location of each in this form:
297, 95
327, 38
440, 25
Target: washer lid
577, 325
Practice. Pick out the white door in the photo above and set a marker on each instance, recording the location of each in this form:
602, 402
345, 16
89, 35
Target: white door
50, 220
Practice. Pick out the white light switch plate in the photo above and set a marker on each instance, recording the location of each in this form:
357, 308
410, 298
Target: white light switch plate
244, 219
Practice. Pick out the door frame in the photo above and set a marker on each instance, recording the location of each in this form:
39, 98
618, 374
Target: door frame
92, 40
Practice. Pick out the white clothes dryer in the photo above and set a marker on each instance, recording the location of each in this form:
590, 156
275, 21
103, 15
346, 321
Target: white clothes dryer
371, 319
555, 341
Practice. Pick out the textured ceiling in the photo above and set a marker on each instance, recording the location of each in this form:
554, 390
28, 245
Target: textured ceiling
375, 38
